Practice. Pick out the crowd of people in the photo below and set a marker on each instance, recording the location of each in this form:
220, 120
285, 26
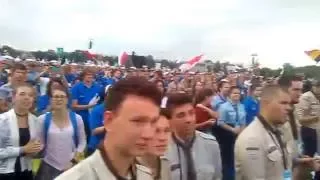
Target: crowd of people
77, 122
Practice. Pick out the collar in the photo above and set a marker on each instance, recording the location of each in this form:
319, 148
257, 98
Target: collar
268, 126
184, 145
113, 171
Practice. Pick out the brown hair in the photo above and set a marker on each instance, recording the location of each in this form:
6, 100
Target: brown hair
177, 99
15, 90
202, 94
18, 66
54, 80
132, 86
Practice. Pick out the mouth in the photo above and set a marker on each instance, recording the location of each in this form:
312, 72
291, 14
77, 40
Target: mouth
142, 146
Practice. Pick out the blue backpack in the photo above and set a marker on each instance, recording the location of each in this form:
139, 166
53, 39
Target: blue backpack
73, 119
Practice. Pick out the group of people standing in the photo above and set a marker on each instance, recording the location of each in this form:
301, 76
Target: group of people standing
115, 127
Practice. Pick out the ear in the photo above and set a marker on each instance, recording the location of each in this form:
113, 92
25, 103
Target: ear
107, 120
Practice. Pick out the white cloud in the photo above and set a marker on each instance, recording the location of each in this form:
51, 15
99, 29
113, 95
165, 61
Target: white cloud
279, 31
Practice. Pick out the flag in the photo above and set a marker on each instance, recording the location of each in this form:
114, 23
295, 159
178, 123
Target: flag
89, 54
123, 58
191, 63
314, 54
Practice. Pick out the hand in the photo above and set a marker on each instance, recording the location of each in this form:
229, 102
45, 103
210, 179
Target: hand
211, 122
78, 156
236, 130
201, 106
94, 101
32, 147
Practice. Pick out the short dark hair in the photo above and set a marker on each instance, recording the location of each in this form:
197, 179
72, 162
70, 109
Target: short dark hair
60, 88
18, 66
132, 86
271, 91
221, 83
165, 112
202, 94
233, 88
53, 80
286, 80
253, 87
178, 99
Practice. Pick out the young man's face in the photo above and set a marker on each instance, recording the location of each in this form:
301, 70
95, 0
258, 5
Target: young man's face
133, 125
183, 120
159, 143
19, 76
295, 91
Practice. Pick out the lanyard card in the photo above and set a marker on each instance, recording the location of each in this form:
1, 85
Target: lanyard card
287, 175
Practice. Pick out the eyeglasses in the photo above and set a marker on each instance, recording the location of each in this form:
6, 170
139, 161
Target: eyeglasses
59, 97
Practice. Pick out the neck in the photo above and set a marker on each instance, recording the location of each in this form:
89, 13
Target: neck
234, 101
87, 83
20, 111
267, 119
120, 161
60, 114
150, 161
183, 138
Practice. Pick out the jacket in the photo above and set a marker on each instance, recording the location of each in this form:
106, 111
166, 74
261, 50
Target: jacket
164, 173
94, 168
205, 154
258, 154
9, 142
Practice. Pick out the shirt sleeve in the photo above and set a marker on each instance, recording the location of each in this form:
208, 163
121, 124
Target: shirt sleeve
303, 106
74, 92
6, 149
82, 135
95, 118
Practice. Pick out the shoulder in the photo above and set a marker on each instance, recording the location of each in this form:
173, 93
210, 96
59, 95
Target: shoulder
78, 118
306, 96
205, 137
251, 134
78, 172
225, 105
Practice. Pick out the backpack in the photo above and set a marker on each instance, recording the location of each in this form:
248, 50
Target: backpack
72, 116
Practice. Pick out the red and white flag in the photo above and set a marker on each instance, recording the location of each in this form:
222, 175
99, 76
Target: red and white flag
123, 58
191, 63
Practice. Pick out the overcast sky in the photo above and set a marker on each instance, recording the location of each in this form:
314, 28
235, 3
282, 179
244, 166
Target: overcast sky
278, 31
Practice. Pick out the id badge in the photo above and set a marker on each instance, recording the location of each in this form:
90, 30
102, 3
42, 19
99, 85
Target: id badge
287, 175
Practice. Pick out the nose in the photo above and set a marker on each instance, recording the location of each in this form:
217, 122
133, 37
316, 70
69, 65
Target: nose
162, 137
189, 119
148, 131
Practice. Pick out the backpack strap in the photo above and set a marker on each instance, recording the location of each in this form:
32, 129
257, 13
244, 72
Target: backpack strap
74, 123
47, 121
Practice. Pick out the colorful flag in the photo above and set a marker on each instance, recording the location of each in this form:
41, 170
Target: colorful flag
191, 63
123, 58
314, 54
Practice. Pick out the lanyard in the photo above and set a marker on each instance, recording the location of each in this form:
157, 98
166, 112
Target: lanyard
271, 131
222, 98
235, 107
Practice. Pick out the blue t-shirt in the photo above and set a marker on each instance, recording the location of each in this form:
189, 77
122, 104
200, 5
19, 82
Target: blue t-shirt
83, 95
96, 120
252, 107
